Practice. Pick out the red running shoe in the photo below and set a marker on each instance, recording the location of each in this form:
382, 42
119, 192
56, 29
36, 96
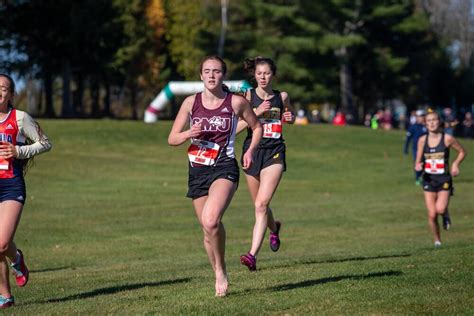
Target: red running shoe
275, 238
20, 270
250, 261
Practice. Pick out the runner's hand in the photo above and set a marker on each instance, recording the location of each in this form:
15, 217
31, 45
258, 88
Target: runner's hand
7, 150
247, 160
288, 116
263, 107
419, 166
454, 170
195, 131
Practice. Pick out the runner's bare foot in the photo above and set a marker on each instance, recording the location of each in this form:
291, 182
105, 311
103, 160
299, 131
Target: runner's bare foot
221, 283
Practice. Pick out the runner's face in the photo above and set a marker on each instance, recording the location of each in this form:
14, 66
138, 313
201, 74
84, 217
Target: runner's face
432, 122
5, 93
212, 74
263, 75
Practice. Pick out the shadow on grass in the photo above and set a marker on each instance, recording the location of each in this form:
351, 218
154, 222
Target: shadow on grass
357, 259
291, 286
292, 264
113, 290
51, 269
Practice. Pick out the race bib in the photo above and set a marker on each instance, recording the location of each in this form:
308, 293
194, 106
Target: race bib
203, 152
434, 166
271, 128
4, 164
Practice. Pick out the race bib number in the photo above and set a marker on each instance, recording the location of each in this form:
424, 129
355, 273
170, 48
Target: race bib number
203, 152
271, 128
434, 166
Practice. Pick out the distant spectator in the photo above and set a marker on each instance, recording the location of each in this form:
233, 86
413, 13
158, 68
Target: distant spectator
412, 118
301, 118
339, 119
350, 119
468, 125
315, 116
414, 132
399, 114
450, 121
386, 119
376, 119
367, 119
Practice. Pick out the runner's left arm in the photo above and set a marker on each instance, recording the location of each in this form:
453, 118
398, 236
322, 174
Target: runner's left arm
452, 142
32, 131
289, 113
419, 153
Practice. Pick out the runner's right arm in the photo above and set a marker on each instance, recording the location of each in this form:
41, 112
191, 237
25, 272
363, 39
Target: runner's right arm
419, 154
177, 136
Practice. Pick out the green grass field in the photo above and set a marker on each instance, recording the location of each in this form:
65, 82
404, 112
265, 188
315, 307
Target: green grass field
107, 229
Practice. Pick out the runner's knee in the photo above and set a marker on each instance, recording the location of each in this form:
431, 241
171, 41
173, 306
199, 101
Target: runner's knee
261, 207
440, 209
432, 216
210, 226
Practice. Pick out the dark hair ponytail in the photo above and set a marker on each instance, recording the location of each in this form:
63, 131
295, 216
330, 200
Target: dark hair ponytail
251, 64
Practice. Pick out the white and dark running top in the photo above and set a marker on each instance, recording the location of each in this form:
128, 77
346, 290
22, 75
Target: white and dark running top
215, 145
436, 159
271, 122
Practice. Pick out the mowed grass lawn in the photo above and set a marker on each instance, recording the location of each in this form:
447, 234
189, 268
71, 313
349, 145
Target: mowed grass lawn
107, 229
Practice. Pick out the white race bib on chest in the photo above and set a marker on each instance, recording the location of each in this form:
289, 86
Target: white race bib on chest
4, 164
203, 152
434, 166
271, 128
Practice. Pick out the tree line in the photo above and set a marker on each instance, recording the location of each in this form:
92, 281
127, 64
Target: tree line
92, 57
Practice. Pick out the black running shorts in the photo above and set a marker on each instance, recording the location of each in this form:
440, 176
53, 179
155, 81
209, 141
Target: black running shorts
264, 157
436, 183
201, 178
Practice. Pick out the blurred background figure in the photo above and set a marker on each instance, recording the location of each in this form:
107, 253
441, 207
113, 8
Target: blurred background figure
411, 119
315, 116
376, 119
399, 119
414, 132
301, 118
468, 126
367, 119
450, 121
339, 119
386, 119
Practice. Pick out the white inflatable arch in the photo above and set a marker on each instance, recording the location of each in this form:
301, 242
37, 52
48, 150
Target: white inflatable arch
183, 88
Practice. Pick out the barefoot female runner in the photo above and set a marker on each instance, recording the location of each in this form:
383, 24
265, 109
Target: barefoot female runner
213, 169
